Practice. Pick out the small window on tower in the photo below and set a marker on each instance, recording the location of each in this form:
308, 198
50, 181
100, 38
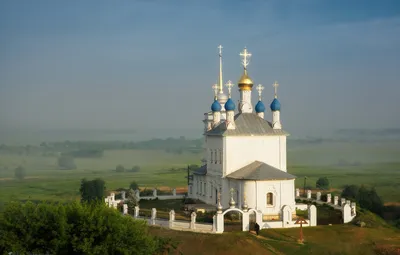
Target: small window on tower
212, 156
205, 189
270, 198
216, 158
220, 156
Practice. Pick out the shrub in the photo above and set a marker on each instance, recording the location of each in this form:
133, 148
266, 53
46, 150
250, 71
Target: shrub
322, 183
120, 168
20, 173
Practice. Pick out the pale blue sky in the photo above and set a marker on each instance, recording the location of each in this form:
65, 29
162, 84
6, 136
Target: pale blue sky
135, 64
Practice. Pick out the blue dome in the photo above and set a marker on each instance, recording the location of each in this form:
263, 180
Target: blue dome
216, 107
260, 107
275, 105
230, 105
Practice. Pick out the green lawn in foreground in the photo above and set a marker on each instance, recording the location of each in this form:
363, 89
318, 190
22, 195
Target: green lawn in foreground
44, 181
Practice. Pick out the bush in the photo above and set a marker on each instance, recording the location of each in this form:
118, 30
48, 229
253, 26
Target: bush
322, 183
135, 169
120, 169
92, 191
19, 173
72, 229
133, 185
66, 163
366, 198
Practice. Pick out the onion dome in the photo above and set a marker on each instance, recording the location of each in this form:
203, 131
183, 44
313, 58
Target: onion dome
216, 106
222, 98
229, 105
275, 105
245, 82
260, 107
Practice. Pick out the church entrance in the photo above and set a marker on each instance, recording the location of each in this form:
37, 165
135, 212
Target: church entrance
233, 221
252, 221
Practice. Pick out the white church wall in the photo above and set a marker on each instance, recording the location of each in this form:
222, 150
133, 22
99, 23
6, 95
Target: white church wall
214, 154
242, 150
283, 194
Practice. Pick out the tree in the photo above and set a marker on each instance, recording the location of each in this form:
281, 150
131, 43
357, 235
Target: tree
133, 185
350, 192
322, 183
73, 229
19, 173
66, 162
135, 168
92, 191
131, 201
120, 168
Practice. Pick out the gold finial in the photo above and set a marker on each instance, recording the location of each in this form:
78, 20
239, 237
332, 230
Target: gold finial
245, 83
229, 85
220, 70
215, 88
260, 88
275, 85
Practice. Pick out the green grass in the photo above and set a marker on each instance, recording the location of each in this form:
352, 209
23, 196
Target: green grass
45, 182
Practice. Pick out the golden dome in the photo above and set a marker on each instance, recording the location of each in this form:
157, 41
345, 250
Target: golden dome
245, 82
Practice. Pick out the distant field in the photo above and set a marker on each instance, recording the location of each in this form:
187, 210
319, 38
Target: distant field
45, 181
343, 163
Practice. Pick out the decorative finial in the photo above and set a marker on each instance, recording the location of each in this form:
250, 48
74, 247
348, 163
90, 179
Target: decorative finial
220, 70
245, 58
245, 206
219, 207
275, 85
232, 203
260, 88
229, 85
215, 88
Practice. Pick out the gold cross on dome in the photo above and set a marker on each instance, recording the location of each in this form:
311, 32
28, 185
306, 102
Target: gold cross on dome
245, 57
215, 88
220, 50
275, 85
260, 88
229, 85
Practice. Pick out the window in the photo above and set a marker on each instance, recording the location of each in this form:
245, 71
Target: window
201, 188
270, 199
212, 156
216, 159
190, 189
220, 156
205, 189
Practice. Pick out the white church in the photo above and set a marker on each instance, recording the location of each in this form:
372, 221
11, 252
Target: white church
244, 153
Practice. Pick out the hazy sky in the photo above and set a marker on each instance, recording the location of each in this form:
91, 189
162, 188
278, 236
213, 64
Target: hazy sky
136, 64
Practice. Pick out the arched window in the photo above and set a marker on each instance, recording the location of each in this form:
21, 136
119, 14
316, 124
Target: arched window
270, 198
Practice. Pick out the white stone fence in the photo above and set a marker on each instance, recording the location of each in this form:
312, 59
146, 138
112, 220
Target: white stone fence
172, 223
112, 202
347, 207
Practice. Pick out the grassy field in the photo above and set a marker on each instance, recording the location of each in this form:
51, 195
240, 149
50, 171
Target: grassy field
44, 181
374, 165
329, 240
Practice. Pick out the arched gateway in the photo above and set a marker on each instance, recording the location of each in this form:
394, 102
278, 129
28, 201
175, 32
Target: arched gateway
245, 212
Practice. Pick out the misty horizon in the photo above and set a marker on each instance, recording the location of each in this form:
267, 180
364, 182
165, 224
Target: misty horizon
148, 65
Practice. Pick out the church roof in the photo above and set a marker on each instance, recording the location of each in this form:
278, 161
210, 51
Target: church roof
247, 124
260, 171
201, 170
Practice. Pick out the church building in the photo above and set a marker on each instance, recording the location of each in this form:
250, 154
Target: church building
244, 153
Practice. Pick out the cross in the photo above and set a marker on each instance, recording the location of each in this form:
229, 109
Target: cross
229, 85
215, 88
232, 191
275, 85
260, 88
245, 54
220, 50
219, 196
